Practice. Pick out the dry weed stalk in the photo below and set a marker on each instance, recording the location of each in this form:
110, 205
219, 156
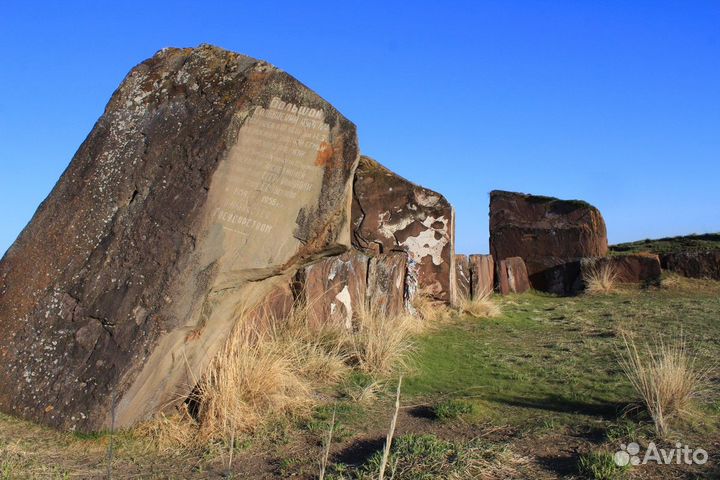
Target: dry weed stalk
391, 432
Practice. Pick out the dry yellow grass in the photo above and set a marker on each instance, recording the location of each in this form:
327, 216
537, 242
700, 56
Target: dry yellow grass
665, 377
261, 374
482, 307
600, 278
429, 310
383, 343
277, 371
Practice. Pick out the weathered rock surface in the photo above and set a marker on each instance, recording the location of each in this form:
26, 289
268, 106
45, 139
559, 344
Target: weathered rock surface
462, 276
392, 214
512, 276
387, 290
209, 178
547, 233
334, 289
694, 264
482, 275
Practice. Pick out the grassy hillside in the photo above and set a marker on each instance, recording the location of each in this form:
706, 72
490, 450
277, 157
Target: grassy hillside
687, 243
534, 393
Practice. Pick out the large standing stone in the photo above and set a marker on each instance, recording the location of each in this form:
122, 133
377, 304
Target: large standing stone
694, 264
462, 276
209, 177
392, 214
482, 275
548, 234
512, 276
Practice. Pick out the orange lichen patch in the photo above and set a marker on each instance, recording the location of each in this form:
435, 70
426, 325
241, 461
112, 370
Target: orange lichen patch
194, 335
325, 153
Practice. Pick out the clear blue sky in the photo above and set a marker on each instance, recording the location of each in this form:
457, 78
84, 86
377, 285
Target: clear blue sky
613, 102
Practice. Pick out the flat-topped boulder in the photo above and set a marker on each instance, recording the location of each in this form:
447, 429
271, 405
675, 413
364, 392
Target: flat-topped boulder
390, 213
699, 264
547, 233
208, 181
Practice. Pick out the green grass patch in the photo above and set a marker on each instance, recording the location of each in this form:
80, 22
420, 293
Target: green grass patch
554, 360
687, 243
601, 466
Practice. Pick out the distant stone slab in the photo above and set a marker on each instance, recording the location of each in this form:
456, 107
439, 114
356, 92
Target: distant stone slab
392, 214
512, 276
547, 233
694, 264
482, 275
462, 276
208, 180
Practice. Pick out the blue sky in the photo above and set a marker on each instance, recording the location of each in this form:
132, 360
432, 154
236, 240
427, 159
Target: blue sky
613, 102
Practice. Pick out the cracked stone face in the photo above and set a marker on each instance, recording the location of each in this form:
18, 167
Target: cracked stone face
392, 214
209, 180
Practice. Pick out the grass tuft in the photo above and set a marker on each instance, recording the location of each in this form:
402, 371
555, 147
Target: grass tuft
452, 409
664, 376
429, 310
601, 466
383, 344
600, 278
482, 307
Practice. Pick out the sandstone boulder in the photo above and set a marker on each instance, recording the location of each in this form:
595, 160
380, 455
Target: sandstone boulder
701, 264
482, 275
642, 268
512, 276
548, 234
390, 213
462, 276
209, 179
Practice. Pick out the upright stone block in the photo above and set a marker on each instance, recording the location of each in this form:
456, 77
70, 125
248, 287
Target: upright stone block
513, 276
334, 289
386, 282
482, 275
462, 275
